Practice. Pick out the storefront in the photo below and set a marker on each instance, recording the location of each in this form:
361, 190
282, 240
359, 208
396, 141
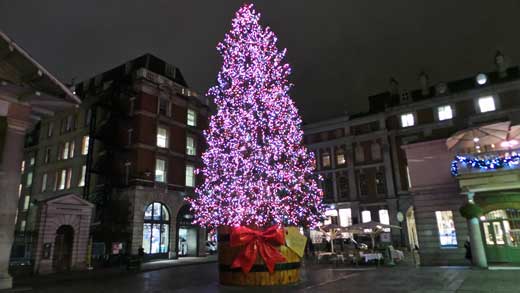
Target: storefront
188, 234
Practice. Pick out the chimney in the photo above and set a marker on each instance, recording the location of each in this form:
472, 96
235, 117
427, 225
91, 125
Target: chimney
500, 63
423, 80
394, 87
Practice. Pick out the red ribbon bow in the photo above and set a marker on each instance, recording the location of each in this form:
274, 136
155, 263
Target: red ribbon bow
257, 241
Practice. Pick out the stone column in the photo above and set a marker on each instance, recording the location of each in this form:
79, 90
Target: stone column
477, 246
9, 180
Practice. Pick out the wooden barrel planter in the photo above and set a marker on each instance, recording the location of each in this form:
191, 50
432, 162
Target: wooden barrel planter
285, 273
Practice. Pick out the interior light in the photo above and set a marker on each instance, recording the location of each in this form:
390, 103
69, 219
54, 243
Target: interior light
476, 139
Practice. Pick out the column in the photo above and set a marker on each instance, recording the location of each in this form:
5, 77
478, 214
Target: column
9, 180
477, 246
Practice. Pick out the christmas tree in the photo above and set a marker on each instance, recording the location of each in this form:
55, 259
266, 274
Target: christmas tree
257, 171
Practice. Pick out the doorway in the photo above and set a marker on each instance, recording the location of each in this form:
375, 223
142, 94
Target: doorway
501, 233
62, 256
188, 233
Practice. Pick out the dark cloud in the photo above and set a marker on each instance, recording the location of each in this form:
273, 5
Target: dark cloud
340, 51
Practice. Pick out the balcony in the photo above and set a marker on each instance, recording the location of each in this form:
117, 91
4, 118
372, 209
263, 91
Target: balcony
493, 161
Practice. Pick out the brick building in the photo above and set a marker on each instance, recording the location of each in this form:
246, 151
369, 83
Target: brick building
130, 149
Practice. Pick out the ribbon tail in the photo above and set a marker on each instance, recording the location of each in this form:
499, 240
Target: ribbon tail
246, 258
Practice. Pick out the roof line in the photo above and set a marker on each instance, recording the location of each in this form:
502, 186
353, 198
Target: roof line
67, 91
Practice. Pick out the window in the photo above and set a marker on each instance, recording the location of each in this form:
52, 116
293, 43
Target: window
446, 227
363, 184
69, 177
345, 217
84, 145
88, 117
407, 120
191, 148
26, 202
71, 149
68, 125
63, 179
82, 176
444, 112
65, 151
22, 226
190, 176
50, 129
160, 170
130, 131
156, 228
343, 188
164, 107
127, 172
384, 218
325, 160
19, 190
22, 168
366, 216
486, 104
162, 137
359, 153
29, 179
375, 150
380, 183
44, 182
47, 157
191, 118
31, 161
340, 158
131, 106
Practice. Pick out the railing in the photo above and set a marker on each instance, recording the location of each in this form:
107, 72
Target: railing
485, 162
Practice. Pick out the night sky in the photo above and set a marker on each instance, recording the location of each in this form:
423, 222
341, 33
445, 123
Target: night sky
341, 51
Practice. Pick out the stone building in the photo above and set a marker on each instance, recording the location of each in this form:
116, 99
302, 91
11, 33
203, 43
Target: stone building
408, 131
28, 93
130, 150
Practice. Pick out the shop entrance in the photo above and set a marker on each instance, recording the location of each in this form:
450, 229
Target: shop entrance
501, 232
62, 255
188, 234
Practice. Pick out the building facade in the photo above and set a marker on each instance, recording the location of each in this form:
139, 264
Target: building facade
402, 142
130, 149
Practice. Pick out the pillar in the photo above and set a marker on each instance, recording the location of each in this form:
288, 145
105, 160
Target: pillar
477, 246
9, 180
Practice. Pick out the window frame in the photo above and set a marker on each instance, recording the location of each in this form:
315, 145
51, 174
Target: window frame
496, 104
193, 147
412, 114
165, 169
166, 137
438, 116
192, 174
195, 117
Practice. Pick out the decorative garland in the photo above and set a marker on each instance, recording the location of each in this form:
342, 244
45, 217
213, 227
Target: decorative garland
484, 164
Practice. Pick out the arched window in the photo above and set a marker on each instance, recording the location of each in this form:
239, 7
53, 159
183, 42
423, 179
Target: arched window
156, 229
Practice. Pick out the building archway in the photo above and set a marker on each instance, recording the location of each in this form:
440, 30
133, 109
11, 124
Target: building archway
63, 244
188, 233
156, 230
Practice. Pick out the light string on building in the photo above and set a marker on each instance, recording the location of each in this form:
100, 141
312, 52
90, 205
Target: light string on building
257, 172
498, 162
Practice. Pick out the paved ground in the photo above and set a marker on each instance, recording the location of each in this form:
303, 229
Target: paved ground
315, 278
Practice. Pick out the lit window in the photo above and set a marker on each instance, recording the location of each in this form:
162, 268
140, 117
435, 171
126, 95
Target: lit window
340, 158
69, 177
325, 160
82, 177
29, 179
366, 217
384, 218
446, 227
71, 149
345, 217
44, 182
192, 118
22, 226
486, 104
26, 202
190, 176
407, 120
162, 137
22, 168
50, 129
63, 179
47, 155
160, 170
65, 151
191, 149
84, 145
444, 112
19, 190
